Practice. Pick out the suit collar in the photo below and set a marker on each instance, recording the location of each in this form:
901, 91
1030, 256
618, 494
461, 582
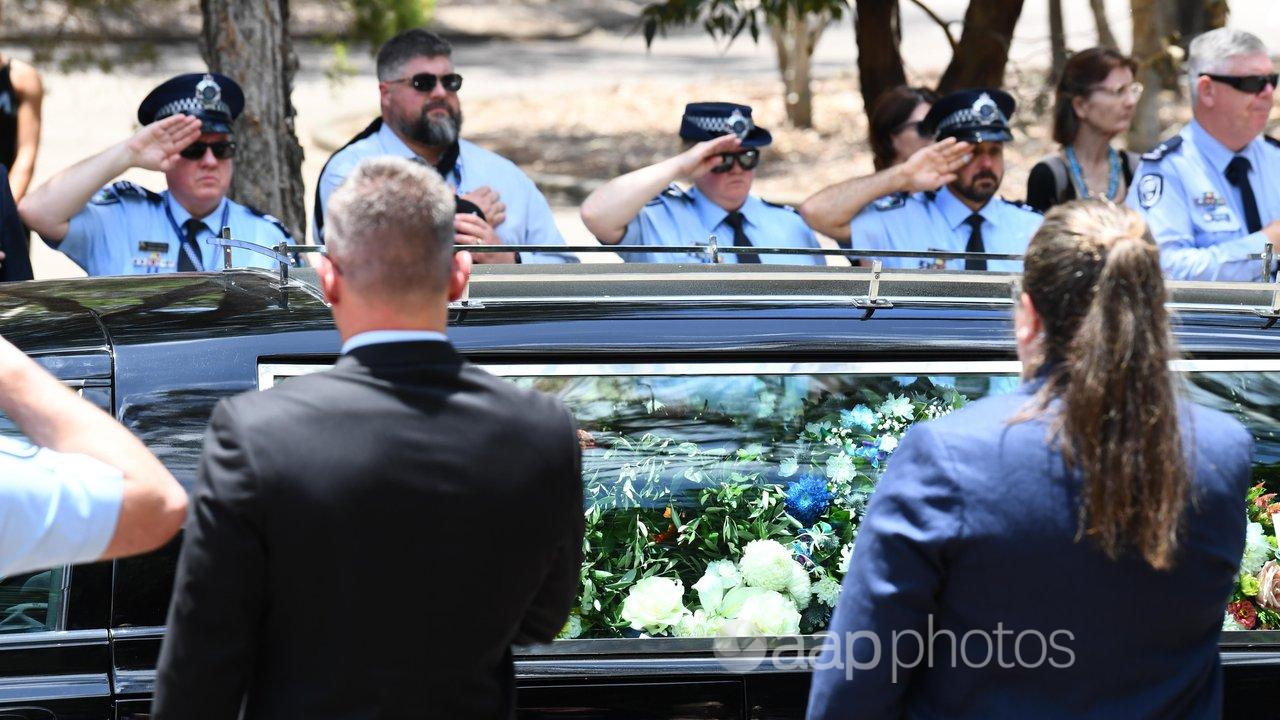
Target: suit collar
420, 352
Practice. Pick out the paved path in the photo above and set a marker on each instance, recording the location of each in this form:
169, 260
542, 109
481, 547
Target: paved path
87, 111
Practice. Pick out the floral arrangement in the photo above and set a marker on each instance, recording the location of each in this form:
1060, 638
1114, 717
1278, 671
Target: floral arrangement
1255, 601
687, 540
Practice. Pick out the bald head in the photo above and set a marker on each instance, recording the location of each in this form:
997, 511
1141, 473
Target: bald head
389, 230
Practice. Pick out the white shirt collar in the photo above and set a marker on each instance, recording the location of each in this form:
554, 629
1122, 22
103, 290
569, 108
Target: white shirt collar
378, 337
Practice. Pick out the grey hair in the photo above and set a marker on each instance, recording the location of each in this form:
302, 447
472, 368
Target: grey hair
407, 45
1212, 52
389, 228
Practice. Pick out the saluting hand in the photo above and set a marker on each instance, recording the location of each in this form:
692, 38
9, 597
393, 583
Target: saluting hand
933, 166
699, 159
156, 146
490, 203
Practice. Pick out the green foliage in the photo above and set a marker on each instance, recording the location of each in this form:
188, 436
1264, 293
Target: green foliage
375, 21
726, 19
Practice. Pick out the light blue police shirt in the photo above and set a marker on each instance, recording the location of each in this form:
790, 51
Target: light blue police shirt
687, 217
1195, 214
936, 221
528, 221
127, 229
55, 508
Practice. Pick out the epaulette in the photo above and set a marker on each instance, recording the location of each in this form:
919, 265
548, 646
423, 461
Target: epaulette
890, 202
779, 205
1271, 140
1022, 206
1157, 153
271, 219
121, 189
674, 192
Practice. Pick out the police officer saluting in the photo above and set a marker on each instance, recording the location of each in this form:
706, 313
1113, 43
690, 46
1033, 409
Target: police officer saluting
723, 146
965, 215
126, 229
1211, 193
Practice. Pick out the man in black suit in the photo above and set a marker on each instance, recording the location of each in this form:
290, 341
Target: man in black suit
368, 542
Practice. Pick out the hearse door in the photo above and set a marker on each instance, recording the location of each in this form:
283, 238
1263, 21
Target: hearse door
54, 655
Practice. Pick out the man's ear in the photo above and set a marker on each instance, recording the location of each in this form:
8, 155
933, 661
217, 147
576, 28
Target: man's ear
1205, 90
330, 279
459, 275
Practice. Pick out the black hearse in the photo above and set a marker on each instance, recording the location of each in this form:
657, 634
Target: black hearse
705, 394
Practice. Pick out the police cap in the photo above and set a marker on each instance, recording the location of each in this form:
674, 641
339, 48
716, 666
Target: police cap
710, 120
215, 99
978, 115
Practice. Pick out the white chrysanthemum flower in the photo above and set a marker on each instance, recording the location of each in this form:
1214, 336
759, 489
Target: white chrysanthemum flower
827, 590
712, 586
699, 624
766, 564
840, 468
654, 604
846, 554
800, 588
769, 613
726, 571
572, 628
1257, 551
788, 467
1229, 623
888, 443
897, 407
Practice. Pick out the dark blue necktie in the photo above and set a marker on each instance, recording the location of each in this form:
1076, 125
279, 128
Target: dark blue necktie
190, 248
1238, 175
735, 220
975, 244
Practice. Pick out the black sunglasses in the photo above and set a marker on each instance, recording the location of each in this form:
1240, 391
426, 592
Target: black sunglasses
426, 82
747, 160
222, 150
1252, 84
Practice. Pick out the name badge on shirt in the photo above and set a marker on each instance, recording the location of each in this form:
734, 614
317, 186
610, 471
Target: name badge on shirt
153, 247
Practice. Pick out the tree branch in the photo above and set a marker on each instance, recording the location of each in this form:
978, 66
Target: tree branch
946, 29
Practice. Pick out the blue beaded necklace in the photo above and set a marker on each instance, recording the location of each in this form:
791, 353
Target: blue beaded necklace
1077, 175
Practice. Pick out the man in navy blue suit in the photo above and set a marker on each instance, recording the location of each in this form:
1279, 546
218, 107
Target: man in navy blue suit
990, 581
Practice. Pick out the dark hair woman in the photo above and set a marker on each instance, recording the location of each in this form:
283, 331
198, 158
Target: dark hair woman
1095, 101
1011, 539
895, 124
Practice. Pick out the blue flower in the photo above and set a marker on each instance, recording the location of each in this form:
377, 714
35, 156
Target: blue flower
807, 499
860, 416
871, 451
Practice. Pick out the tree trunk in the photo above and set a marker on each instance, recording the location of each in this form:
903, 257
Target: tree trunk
983, 51
1149, 52
1194, 17
248, 40
876, 28
1106, 38
794, 42
1057, 40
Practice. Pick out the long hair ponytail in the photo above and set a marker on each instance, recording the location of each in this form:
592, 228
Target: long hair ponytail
1093, 274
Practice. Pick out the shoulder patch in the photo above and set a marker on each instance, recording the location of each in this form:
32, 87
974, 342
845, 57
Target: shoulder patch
120, 190
890, 202
1271, 140
1157, 153
271, 219
780, 205
1150, 188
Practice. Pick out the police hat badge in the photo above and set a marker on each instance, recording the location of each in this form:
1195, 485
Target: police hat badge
984, 109
738, 125
208, 92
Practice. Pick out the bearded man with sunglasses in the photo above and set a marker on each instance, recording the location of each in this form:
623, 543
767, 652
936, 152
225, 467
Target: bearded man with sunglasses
421, 121
1211, 193
126, 229
722, 151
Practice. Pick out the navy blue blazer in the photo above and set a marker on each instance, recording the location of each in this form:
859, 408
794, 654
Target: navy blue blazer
972, 530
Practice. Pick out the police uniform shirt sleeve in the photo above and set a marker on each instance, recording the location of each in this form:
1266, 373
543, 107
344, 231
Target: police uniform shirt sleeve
540, 227
57, 509
1161, 196
334, 173
869, 230
773, 225
87, 241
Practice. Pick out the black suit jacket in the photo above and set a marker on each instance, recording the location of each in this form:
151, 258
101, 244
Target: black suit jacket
13, 236
368, 542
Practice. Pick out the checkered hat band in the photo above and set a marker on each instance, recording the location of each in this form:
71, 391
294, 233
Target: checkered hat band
190, 106
715, 124
969, 117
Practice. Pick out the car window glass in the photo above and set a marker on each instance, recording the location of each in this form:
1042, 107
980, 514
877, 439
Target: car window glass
727, 505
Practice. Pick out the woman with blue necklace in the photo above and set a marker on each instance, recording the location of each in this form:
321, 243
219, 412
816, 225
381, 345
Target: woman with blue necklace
1095, 101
